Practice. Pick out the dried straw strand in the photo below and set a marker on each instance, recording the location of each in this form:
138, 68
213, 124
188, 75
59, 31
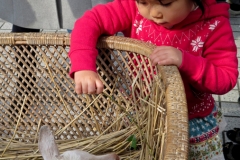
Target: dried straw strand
19, 117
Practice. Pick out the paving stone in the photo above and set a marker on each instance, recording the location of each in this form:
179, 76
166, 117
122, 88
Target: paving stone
230, 109
7, 26
237, 42
235, 28
235, 20
1, 24
236, 35
62, 30
216, 97
238, 52
48, 31
231, 96
5, 31
1, 20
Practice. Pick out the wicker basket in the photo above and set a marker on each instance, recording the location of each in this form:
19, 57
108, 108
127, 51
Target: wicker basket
36, 90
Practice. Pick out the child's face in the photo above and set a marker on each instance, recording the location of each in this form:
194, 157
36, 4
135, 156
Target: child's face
166, 12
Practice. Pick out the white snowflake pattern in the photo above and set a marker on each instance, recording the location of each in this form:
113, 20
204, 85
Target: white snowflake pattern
138, 25
207, 124
214, 25
197, 44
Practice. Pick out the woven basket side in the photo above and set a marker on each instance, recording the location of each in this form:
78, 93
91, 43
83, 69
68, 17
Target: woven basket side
177, 128
175, 96
177, 114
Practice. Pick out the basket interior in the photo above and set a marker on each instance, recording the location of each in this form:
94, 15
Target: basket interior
36, 90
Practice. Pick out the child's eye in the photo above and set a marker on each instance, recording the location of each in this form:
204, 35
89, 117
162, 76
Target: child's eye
166, 4
141, 2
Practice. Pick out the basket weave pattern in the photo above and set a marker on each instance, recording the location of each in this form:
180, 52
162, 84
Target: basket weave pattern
34, 77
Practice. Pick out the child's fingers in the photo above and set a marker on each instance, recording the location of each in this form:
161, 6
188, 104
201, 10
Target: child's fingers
99, 86
78, 88
161, 61
158, 58
91, 88
155, 54
159, 50
85, 88
166, 55
87, 82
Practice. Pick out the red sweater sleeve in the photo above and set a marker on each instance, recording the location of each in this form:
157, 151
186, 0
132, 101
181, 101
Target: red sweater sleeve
105, 19
216, 71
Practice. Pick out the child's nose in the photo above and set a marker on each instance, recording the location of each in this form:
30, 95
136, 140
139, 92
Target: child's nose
155, 13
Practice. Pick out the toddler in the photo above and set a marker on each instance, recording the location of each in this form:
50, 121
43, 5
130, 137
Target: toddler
194, 35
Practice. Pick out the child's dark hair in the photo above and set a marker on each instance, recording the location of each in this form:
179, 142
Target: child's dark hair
200, 5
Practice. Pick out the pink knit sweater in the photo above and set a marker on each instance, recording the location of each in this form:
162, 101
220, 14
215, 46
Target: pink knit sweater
209, 64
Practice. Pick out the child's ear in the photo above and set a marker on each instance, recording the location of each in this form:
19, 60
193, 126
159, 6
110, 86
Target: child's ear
46, 144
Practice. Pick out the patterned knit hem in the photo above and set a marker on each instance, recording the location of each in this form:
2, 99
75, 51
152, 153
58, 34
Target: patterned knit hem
208, 135
206, 150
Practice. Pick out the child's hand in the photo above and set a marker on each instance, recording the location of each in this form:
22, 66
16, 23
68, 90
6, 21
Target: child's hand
87, 82
166, 55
